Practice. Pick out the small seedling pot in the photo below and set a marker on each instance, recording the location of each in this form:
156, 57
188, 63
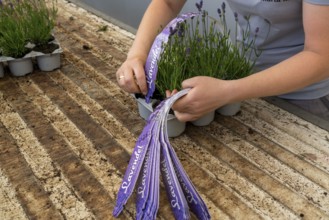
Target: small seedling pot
49, 62
204, 120
145, 109
229, 109
21, 66
174, 126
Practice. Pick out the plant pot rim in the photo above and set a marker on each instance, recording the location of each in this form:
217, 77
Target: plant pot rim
58, 50
6, 58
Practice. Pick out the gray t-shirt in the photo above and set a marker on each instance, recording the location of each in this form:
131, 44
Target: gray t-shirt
280, 35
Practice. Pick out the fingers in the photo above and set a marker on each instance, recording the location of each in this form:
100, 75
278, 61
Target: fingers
185, 117
132, 80
190, 83
140, 79
126, 80
171, 93
168, 93
183, 104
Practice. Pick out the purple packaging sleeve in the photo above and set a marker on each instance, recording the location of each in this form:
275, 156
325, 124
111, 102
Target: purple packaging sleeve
154, 154
136, 161
151, 65
143, 182
174, 191
152, 205
133, 169
194, 200
147, 204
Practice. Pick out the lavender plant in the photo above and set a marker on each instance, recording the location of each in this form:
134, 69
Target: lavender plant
25, 21
40, 16
13, 37
203, 47
152, 155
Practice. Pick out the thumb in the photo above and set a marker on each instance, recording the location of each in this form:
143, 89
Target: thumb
190, 83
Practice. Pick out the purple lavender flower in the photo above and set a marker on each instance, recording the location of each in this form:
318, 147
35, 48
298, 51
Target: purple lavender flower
235, 16
188, 51
172, 31
256, 31
199, 5
223, 7
219, 12
181, 30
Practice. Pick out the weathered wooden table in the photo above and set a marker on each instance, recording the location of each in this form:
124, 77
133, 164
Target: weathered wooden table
66, 137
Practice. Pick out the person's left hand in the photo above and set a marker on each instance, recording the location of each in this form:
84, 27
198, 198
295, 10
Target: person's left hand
206, 94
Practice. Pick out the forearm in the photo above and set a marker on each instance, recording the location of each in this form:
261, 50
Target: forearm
307, 67
292, 74
156, 17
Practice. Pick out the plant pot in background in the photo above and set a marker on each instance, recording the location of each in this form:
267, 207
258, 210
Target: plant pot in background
145, 109
229, 109
48, 56
21, 66
204, 120
174, 127
49, 62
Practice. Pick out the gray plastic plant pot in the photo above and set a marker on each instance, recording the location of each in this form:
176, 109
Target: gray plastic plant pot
2, 71
49, 62
145, 109
204, 120
174, 126
20, 67
229, 109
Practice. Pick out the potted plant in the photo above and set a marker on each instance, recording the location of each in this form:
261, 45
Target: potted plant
13, 40
40, 18
174, 127
201, 43
238, 60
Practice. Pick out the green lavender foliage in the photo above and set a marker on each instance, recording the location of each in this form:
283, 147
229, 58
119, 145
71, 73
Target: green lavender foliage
12, 31
25, 21
40, 20
203, 47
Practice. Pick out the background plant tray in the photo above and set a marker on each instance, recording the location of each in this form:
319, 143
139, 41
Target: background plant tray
32, 54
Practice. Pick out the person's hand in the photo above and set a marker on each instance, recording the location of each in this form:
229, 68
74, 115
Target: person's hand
131, 75
206, 94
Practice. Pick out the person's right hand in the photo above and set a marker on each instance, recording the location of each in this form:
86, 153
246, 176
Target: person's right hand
131, 75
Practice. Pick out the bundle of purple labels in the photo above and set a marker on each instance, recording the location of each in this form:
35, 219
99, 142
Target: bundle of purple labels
151, 156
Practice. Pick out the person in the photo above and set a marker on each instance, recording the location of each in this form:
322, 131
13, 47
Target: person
294, 63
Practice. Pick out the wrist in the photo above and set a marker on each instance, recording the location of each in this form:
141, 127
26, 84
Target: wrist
234, 91
132, 54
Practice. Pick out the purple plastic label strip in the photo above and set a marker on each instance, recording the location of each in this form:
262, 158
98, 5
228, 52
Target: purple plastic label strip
154, 154
194, 200
133, 169
151, 65
175, 194
151, 203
